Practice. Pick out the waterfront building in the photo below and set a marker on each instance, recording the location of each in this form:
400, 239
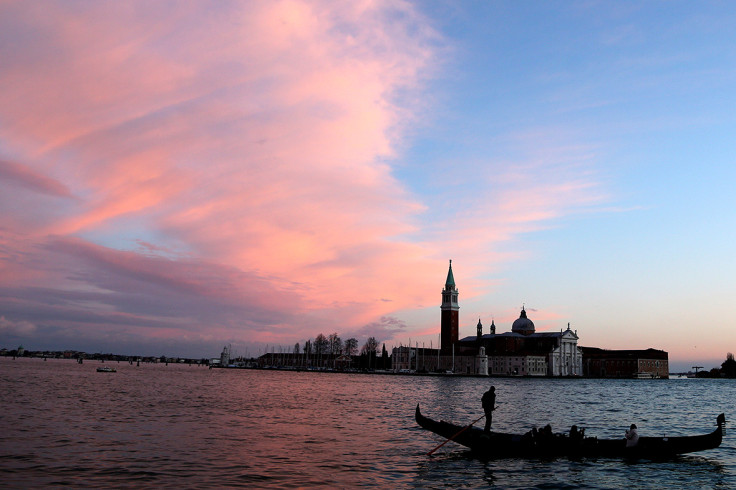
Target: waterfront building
405, 359
604, 363
520, 352
525, 352
225, 356
446, 358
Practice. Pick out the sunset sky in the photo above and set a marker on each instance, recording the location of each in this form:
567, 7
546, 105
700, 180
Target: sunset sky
178, 176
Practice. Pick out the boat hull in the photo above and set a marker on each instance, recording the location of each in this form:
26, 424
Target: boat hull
501, 445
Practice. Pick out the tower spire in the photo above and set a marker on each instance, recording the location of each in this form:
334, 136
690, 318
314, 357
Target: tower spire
449, 326
450, 278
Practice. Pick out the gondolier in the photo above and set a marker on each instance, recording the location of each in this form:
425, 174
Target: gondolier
489, 405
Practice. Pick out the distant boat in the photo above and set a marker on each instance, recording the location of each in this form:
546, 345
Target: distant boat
106, 369
499, 445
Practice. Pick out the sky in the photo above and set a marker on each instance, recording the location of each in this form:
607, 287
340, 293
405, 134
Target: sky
180, 176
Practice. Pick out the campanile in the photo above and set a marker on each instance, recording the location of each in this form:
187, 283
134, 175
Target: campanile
450, 314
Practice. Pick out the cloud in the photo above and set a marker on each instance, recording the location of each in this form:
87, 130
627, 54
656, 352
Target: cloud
16, 174
16, 329
194, 173
387, 328
228, 161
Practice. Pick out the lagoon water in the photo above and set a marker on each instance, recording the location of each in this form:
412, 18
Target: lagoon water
158, 426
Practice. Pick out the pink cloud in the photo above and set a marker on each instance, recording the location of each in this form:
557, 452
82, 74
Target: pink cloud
229, 167
16, 174
246, 139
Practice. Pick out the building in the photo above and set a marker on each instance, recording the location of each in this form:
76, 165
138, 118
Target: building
603, 363
524, 352
225, 356
445, 358
419, 359
520, 352
450, 319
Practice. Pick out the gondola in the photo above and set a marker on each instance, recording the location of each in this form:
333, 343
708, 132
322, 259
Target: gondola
529, 445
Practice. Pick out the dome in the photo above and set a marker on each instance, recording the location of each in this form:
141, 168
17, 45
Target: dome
523, 325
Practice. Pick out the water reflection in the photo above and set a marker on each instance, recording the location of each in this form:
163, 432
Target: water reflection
692, 472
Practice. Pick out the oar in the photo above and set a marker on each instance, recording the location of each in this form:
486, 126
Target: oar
458, 433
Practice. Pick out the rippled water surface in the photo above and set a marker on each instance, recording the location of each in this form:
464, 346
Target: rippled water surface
185, 426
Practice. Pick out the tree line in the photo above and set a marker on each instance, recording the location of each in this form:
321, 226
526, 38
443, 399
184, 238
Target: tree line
327, 351
333, 345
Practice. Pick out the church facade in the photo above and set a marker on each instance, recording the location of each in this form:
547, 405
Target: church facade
520, 352
525, 352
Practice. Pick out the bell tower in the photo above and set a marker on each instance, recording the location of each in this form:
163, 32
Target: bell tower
449, 327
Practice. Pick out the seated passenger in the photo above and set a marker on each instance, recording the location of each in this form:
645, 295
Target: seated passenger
632, 436
574, 434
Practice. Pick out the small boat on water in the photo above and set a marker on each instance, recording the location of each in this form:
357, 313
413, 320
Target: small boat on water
106, 369
530, 445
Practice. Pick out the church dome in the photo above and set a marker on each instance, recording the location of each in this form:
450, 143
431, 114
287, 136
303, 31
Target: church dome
523, 325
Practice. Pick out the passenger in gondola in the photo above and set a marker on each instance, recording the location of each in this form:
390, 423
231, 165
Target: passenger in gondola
530, 436
632, 436
489, 405
546, 433
574, 434
544, 437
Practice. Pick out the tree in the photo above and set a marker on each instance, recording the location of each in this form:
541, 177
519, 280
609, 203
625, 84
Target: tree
296, 348
335, 344
307, 351
351, 346
320, 347
370, 349
729, 366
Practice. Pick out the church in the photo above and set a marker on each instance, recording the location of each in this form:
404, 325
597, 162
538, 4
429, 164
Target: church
520, 352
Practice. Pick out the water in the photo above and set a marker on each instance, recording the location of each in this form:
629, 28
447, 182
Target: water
158, 426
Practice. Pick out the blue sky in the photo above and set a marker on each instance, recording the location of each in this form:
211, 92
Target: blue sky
637, 100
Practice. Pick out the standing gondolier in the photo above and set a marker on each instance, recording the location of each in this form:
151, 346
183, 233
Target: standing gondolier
489, 405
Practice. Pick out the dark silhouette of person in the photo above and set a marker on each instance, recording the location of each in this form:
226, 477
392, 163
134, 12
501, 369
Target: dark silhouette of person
576, 436
489, 405
632, 436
